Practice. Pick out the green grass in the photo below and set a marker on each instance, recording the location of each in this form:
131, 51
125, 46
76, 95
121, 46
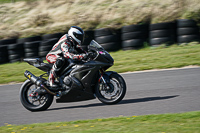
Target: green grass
164, 123
156, 58
131, 60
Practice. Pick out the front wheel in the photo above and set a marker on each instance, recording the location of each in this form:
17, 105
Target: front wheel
113, 92
36, 103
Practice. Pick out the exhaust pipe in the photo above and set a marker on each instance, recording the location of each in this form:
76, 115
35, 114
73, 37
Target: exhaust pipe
37, 81
32, 78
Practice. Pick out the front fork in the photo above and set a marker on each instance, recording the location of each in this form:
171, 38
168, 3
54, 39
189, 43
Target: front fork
101, 72
105, 81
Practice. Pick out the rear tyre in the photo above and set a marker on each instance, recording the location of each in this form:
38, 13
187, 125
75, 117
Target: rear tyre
31, 103
116, 91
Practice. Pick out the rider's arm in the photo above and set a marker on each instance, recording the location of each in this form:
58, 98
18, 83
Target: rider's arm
80, 50
65, 50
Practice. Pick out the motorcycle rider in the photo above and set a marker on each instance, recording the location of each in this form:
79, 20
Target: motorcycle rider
67, 47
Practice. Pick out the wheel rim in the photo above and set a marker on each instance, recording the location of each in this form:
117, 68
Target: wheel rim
35, 101
111, 93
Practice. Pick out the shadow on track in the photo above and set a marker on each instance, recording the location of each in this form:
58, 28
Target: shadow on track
126, 101
147, 99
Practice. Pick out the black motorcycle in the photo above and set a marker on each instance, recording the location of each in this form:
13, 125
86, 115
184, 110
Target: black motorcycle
83, 80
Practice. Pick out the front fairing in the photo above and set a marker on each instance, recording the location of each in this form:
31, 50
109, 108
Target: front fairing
104, 56
101, 54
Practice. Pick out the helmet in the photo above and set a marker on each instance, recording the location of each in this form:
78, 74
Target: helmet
77, 35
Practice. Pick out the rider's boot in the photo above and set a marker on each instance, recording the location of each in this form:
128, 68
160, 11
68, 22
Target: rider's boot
62, 90
51, 81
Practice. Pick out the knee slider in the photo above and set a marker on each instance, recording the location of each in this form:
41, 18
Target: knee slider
59, 63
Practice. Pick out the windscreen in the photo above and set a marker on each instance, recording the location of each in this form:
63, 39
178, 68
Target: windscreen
94, 44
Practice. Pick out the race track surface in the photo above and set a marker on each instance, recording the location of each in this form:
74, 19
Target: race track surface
156, 92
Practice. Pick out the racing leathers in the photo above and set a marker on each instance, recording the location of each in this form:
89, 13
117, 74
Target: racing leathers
63, 48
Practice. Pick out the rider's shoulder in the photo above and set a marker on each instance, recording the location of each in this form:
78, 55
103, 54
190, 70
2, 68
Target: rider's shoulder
64, 37
65, 42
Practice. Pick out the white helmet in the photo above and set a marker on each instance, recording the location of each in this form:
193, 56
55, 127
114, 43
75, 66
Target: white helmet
77, 35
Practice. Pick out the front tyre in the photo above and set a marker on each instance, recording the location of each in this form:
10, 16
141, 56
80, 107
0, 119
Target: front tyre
114, 93
38, 103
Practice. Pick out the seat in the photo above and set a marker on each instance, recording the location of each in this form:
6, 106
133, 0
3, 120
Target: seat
33, 60
38, 63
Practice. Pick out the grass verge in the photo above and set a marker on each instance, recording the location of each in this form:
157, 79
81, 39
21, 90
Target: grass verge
156, 58
131, 60
163, 123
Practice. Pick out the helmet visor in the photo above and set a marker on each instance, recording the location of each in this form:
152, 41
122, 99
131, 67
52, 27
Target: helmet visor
79, 37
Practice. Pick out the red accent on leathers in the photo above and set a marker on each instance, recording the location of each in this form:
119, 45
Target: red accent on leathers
51, 58
63, 37
51, 78
62, 47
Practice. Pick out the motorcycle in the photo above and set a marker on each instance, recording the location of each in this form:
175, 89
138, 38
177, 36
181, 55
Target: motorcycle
83, 80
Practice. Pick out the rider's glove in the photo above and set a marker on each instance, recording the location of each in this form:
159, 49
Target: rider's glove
90, 55
85, 56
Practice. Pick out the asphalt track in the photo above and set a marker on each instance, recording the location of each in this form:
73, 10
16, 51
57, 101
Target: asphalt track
155, 92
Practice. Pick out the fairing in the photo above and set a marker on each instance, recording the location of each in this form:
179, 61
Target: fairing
87, 74
84, 75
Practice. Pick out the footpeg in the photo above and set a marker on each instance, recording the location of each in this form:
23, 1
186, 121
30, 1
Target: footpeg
61, 93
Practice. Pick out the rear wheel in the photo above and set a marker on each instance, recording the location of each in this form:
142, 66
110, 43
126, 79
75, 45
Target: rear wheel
36, 103
114, 92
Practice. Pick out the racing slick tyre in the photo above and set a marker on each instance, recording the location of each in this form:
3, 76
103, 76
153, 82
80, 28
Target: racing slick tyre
116, 91
36, 103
